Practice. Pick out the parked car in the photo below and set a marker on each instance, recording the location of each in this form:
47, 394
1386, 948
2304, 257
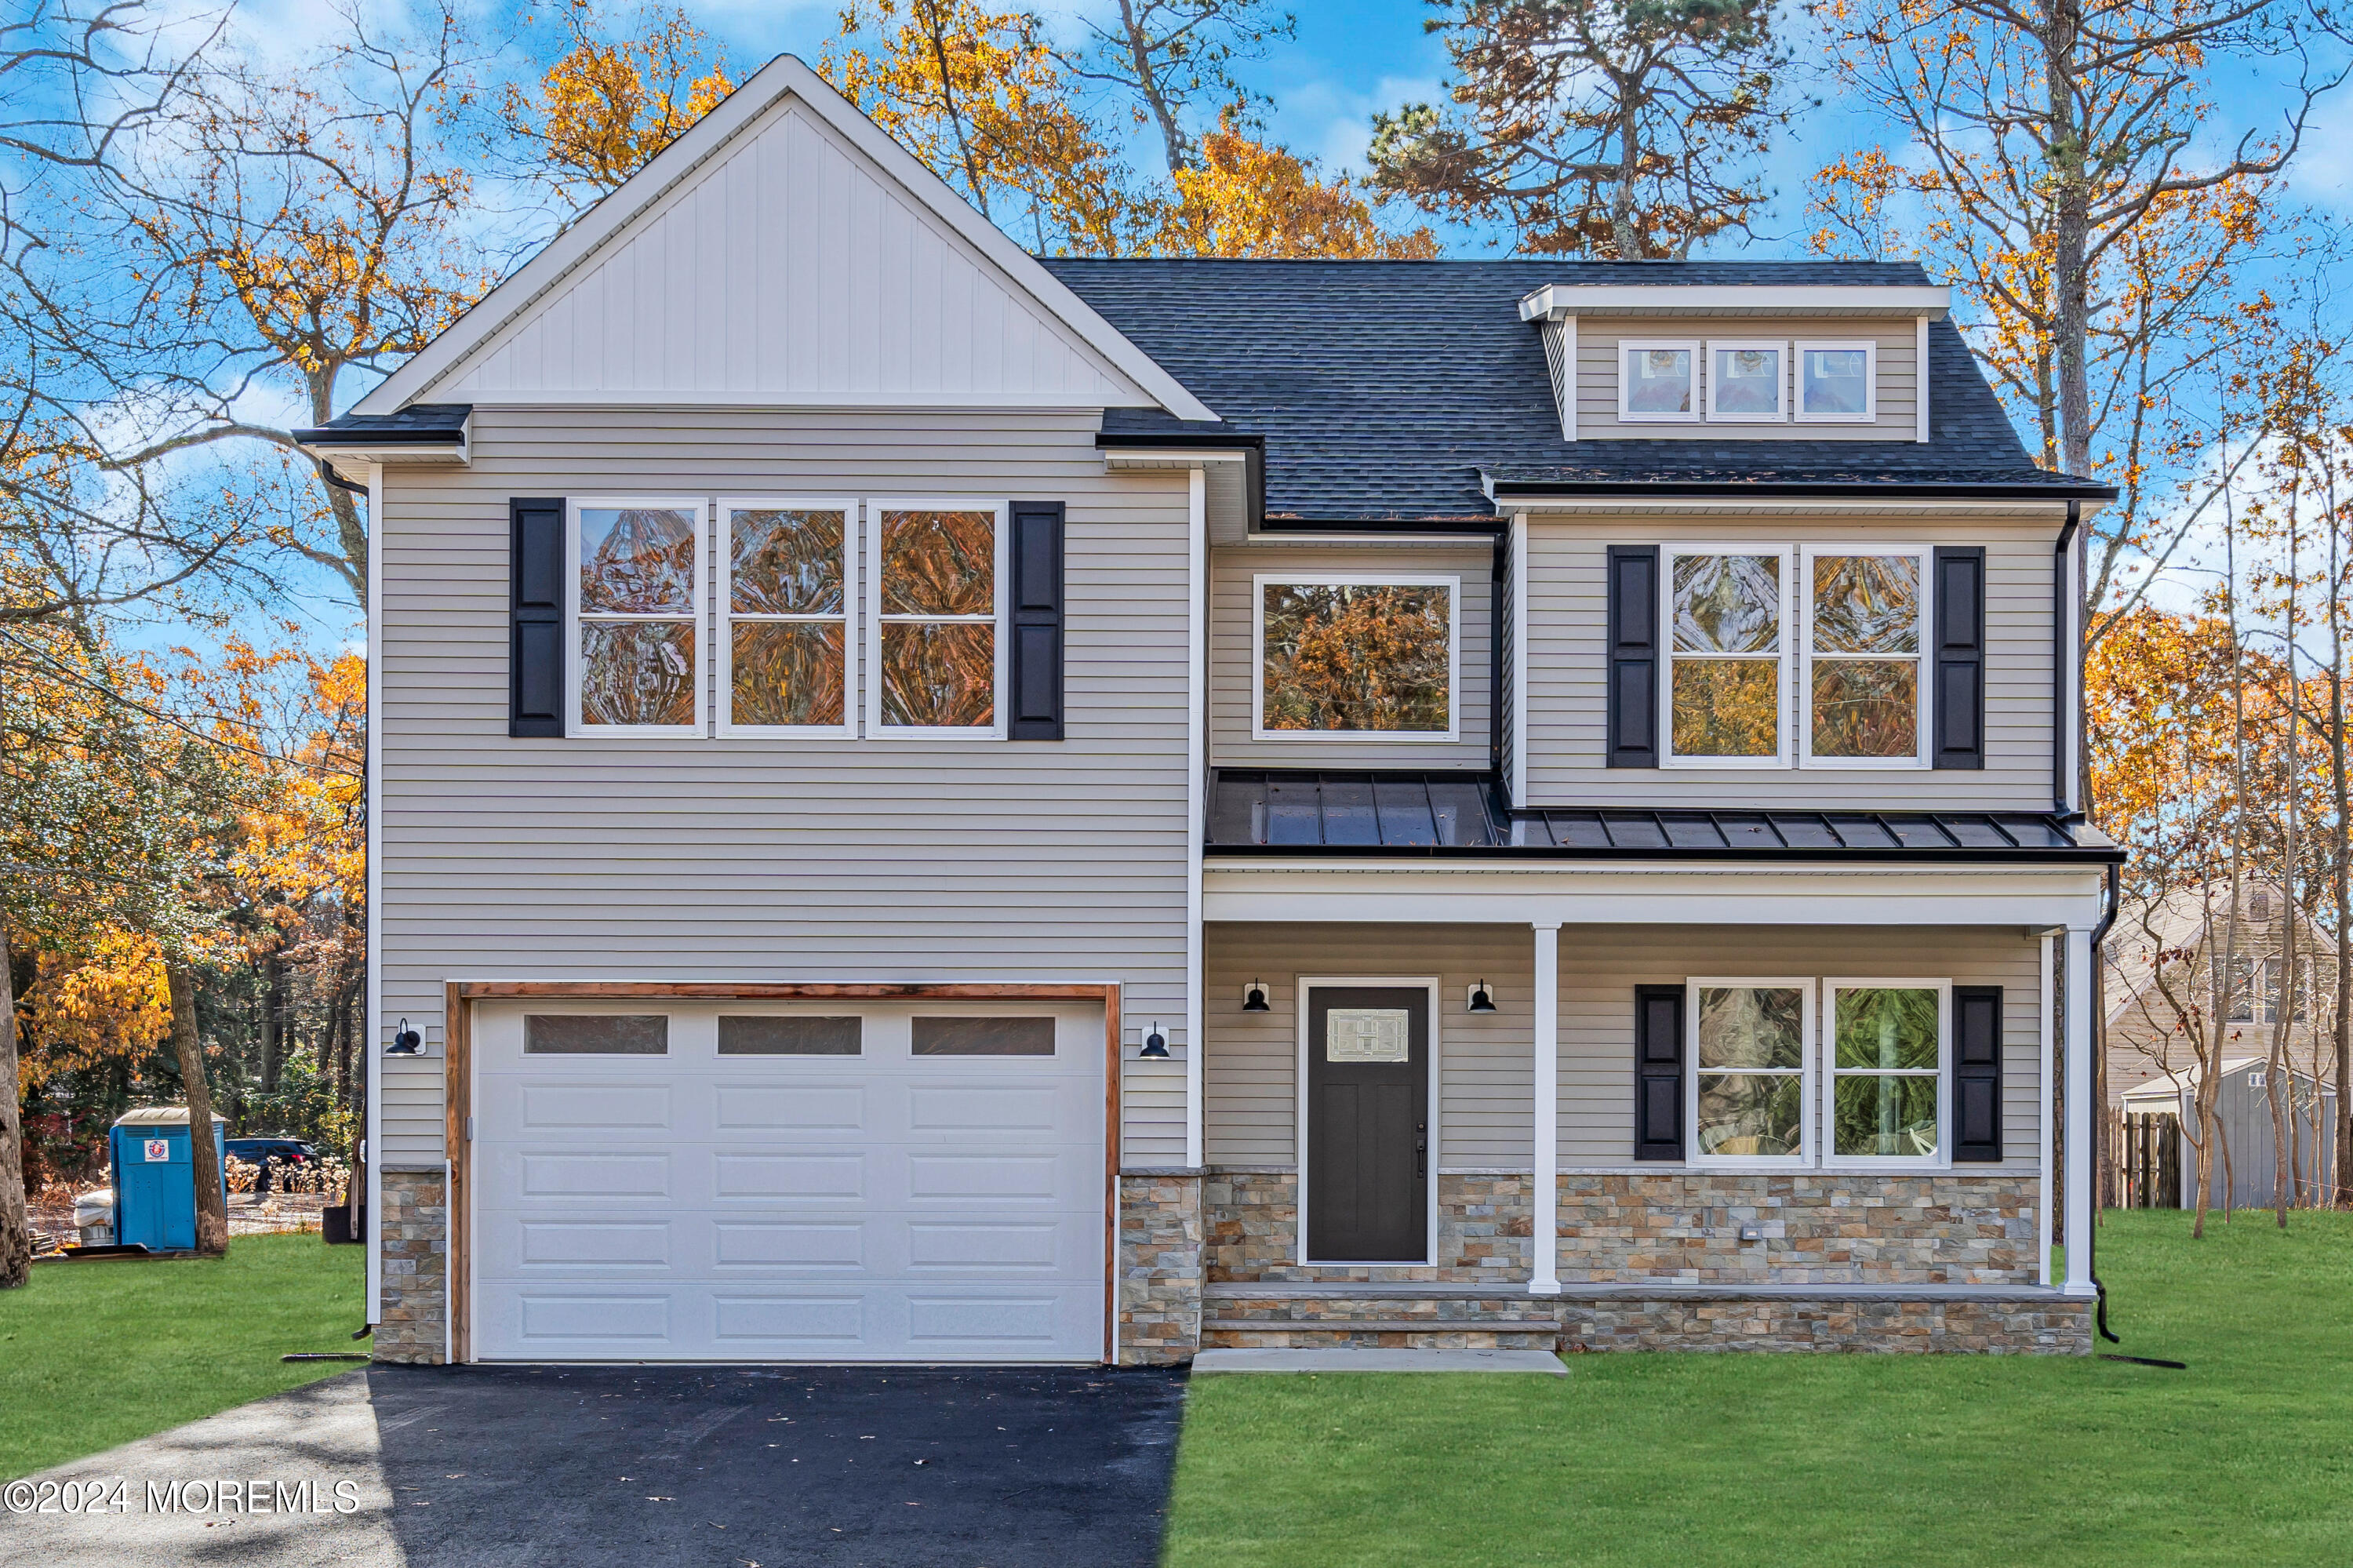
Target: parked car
272, 1153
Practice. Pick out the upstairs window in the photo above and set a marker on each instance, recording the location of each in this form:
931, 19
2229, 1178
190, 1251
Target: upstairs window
1352, 655
786, 645
1747, 382
635, 587
937, 661
1862, 658
1658, 382
1725, 657
1837, 382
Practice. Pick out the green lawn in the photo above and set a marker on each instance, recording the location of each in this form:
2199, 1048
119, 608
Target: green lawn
92, 1354
1692, 1460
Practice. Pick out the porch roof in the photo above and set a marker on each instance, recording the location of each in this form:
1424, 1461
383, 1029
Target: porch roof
1445, 815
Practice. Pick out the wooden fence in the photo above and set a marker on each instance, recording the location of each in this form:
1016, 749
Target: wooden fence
2144, 1168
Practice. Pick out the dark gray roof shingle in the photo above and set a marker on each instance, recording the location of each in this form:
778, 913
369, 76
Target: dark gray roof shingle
419, 423
1386, 390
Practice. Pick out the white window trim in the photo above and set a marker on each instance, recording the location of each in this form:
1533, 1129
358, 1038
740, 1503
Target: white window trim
1833, 1161
1450, 581
725, 618
1807, 1034
575, 662
1698, 364
1870, 415
1918, 761
1786, 660
1301, 985
1777, 345
872, 534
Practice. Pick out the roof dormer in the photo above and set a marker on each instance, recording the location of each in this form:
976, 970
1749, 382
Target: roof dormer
1740, 362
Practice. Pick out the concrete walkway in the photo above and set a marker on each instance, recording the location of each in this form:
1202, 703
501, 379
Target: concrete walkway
1343, 1360
586, 1467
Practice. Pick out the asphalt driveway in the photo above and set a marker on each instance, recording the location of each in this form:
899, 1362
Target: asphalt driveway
979, 1467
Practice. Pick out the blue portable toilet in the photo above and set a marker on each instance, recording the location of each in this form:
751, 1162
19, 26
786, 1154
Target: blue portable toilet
155, 1178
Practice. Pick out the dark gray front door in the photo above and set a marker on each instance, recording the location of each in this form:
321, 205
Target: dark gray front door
1368, 1124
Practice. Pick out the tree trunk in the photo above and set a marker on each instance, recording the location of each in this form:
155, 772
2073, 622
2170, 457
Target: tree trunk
274, 1009
212, 1209
1147, 83
2071, 237
16, 1227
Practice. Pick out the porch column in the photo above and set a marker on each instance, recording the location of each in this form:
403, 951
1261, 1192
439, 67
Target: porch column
2079, 1112
1543, 1210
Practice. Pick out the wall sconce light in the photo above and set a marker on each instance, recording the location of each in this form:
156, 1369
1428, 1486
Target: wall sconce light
1481, 999
407, 1042
1254, 998
1155, 1044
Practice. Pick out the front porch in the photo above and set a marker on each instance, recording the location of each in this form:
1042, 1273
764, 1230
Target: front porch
1791, 1241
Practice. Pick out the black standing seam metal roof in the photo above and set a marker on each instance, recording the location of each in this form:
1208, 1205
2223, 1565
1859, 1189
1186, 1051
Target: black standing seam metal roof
1264, 812
1391, 391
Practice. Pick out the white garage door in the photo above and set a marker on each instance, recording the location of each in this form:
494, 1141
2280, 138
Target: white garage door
739, 1182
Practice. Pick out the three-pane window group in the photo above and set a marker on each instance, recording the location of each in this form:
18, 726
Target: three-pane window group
794, 628
1883, 1050
1747, 381
1824, 641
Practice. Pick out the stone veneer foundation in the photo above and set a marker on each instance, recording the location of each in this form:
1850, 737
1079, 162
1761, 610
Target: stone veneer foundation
415, 1225
1159, 1267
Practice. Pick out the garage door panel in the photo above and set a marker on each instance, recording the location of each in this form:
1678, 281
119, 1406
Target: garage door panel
883, 1207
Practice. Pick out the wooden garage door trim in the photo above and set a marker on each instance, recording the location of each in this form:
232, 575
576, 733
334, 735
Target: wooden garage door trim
457, 1090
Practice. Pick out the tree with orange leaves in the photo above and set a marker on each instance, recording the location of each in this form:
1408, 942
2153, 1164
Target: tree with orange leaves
610, 102
1244, 197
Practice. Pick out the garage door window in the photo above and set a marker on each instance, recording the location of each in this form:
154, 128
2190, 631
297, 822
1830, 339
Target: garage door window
786, 1036
596, 1034
983, 1036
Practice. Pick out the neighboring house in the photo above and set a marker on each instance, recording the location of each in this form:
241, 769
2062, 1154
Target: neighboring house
2168, 986
931, 805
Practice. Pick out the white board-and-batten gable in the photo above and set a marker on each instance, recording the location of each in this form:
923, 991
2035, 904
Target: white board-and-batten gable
784, 252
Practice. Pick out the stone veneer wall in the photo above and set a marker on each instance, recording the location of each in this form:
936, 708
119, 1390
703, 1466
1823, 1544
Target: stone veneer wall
414, 1227
1253, 1220
1949, 1228
1983, 1328
1159, 1268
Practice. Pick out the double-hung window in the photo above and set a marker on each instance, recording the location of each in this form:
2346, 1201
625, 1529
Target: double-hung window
1865, 615
1748, 1082
634, 590
786, 649
1888, 1055
936, 598
1727, 656
1350, 654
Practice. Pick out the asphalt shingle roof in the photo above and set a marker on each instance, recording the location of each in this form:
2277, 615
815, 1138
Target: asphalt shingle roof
1386, 390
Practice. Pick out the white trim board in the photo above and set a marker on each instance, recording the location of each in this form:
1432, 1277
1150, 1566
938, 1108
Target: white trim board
772, 93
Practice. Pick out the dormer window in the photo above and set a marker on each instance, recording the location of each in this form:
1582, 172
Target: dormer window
1746, 381
1658, 382
1837, 382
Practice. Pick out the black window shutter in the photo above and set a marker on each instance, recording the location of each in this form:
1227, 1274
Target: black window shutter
535, 646
1657, 1071
1634, 656
1957, 724
1976, 1073
1037, 628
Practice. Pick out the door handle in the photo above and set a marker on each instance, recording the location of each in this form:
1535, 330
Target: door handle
1421, 1148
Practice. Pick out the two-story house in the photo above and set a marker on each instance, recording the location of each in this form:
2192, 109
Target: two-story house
928, 804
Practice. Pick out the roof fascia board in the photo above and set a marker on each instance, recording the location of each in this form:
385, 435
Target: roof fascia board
2050, 512
1555, 301
785, 76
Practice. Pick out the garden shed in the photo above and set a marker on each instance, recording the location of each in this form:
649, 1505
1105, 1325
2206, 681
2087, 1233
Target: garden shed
2246, 1162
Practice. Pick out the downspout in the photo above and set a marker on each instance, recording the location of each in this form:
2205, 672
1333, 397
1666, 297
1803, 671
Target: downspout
2063, 616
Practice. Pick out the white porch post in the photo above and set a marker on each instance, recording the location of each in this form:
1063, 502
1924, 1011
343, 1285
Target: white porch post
1544, 1215
2079, 1111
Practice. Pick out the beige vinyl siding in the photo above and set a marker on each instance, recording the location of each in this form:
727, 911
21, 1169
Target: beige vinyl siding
1567, 721
1233, 672
1485, 1061
1601, 965
781, 859
1596, 375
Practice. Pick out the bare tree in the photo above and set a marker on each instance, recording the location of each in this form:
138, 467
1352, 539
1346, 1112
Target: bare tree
1173, 56
1612, 128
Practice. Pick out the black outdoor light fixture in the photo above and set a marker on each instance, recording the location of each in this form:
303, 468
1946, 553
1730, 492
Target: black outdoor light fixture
1254, 998
1155, 1044
1481, 999
407, 1042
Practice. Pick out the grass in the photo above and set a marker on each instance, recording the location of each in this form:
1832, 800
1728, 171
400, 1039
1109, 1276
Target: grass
93, 1354
1693, 1460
